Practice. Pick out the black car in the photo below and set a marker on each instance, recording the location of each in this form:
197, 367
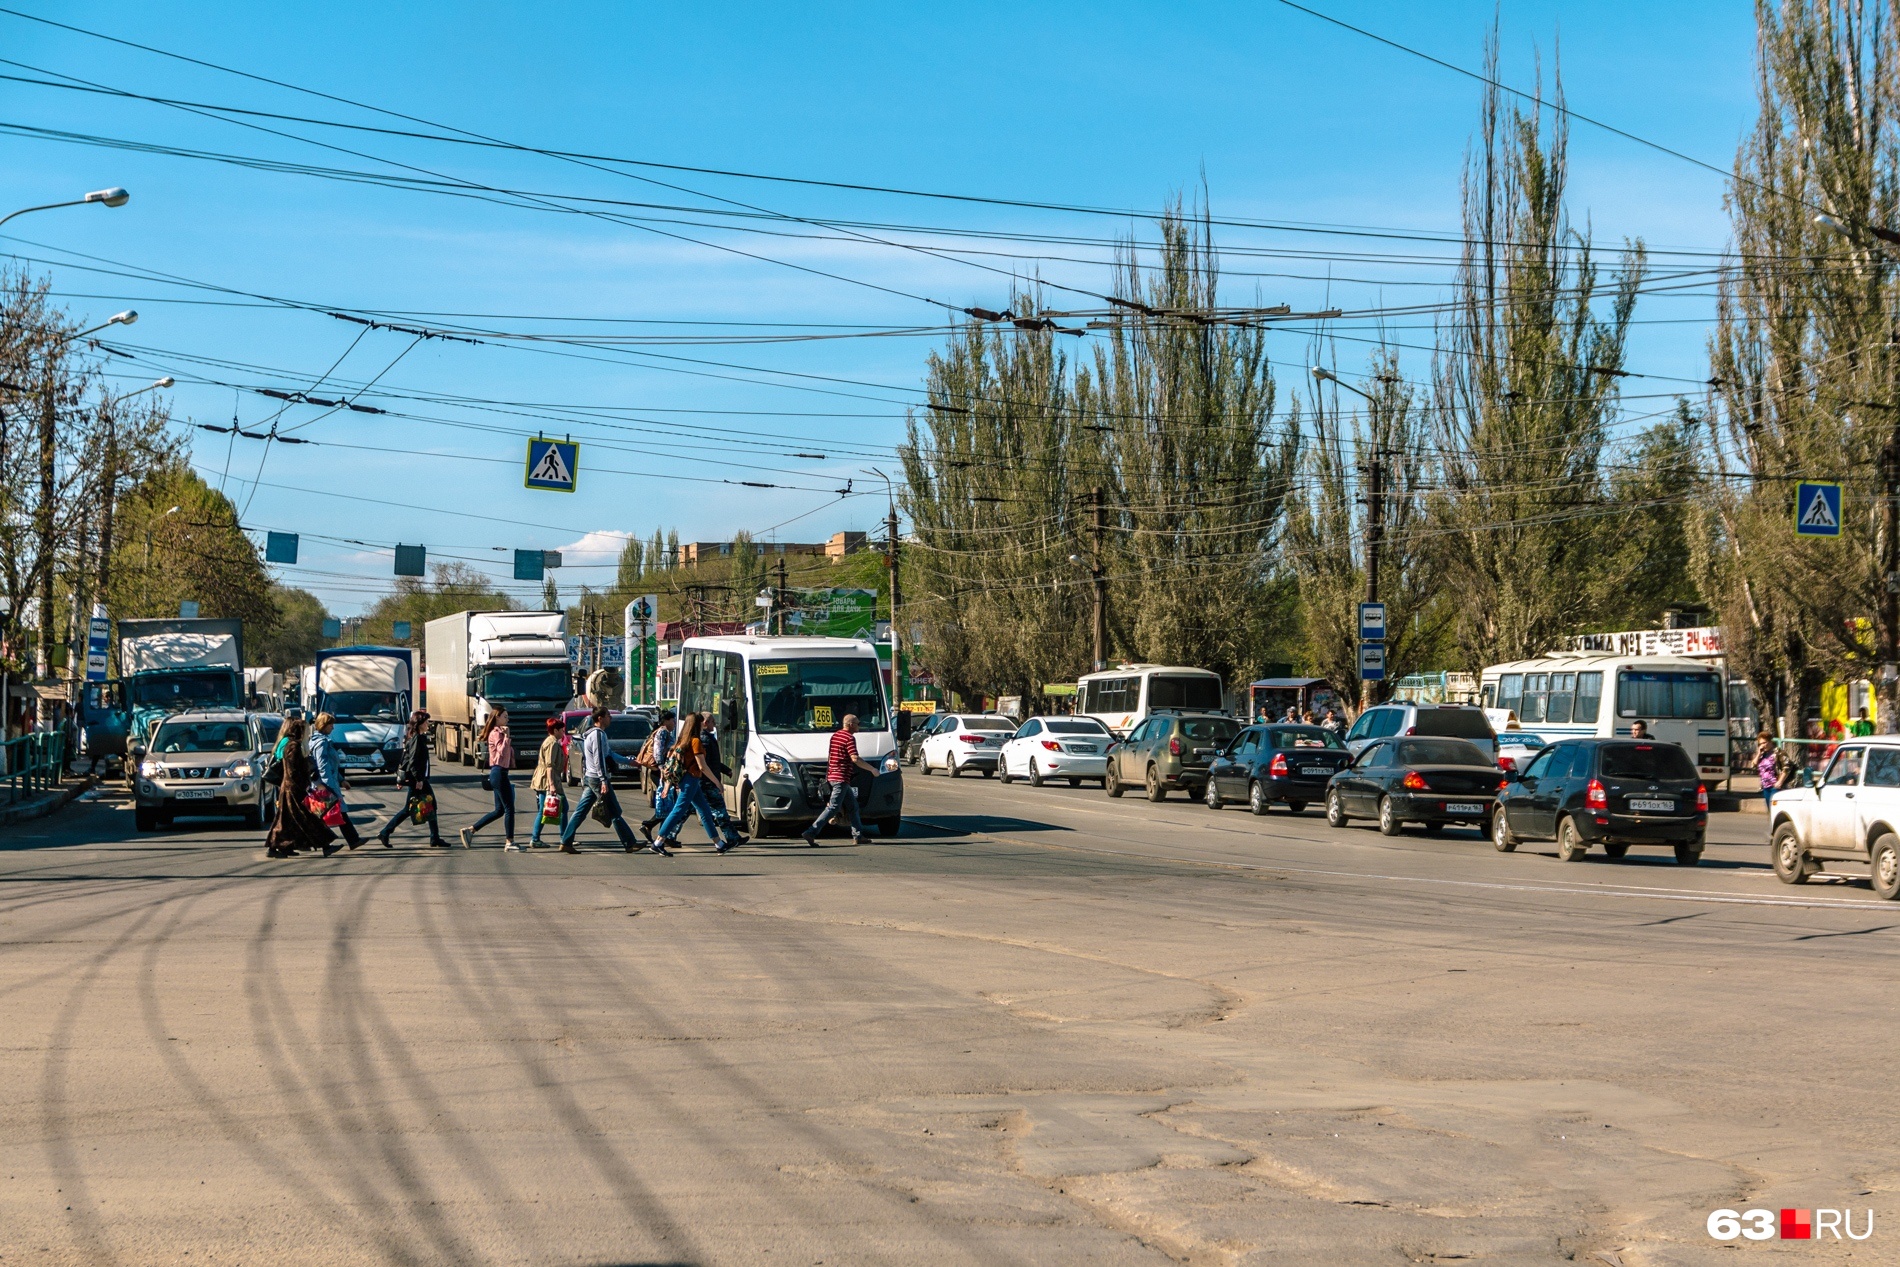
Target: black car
1429, 781
914, 746
1610, 792
1268, 763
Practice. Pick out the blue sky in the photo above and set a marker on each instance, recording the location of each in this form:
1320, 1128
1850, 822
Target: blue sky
1118, 106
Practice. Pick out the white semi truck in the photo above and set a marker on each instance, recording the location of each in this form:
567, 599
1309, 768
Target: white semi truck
476, 662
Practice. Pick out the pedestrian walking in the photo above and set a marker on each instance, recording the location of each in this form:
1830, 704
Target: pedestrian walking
842, 765
687, 774
715, 783
295, 827
327, 770
1773, 767
412, 774
597, 767
653, 756
550, 782
501, 764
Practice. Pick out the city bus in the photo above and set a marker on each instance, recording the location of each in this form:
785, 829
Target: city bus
1122, 698
1682, 701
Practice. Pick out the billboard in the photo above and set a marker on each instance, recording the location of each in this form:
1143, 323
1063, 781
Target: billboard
833, 613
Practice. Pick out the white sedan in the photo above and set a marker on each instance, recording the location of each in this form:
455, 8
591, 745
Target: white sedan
1072, 748
966, 741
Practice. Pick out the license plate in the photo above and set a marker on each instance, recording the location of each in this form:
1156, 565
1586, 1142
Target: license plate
353, 762
1315, 771
1652, 807
1087, 749
1463, 807
196, 794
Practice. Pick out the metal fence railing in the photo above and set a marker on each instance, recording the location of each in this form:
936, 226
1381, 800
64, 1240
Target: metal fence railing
30, 764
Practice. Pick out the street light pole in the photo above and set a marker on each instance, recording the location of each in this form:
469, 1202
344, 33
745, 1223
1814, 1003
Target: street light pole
890, 563
113, 197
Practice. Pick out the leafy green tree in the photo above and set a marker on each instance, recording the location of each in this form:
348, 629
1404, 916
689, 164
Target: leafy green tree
294, 637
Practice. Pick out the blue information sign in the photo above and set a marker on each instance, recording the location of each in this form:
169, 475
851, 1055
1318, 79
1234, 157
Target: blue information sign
1372, 622
1372, 662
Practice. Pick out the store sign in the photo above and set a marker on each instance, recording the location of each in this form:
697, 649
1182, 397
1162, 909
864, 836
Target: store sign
1701, 643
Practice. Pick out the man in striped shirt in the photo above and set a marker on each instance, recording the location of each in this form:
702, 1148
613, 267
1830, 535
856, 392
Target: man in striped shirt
842, 763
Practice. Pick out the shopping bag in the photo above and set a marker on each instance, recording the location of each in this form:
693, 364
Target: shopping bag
551, 808
325, 805
422, 807
606, 808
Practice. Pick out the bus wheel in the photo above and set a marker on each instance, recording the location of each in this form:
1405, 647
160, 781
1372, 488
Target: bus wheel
756, 825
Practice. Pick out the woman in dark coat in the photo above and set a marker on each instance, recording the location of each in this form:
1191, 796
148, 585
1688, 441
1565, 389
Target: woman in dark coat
296, 827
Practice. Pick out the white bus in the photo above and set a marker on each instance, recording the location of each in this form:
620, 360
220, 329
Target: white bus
777, 702
1681, 701
1123, 697
666, 675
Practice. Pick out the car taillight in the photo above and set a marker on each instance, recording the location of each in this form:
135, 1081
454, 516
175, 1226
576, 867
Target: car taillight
1414, 780
1502, 784
1594, 796
1052, 745
971, 738
1278, 767
1411, 730
1174, 747
1701, 798
1505, 763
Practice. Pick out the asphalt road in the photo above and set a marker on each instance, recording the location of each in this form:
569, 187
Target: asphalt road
1041, 1027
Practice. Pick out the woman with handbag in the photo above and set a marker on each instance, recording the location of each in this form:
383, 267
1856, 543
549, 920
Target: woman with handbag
413, 773
501, 762
296, 827
550, 786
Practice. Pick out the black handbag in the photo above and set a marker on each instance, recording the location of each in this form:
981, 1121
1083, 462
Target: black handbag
606, 806
273, 773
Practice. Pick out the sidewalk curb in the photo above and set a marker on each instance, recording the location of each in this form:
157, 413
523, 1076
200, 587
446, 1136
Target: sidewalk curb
41, 808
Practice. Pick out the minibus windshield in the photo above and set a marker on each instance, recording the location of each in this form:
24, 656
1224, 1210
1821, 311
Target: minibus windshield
803, 696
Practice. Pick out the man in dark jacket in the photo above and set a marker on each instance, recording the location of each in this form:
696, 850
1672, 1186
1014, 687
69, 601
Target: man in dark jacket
413, 774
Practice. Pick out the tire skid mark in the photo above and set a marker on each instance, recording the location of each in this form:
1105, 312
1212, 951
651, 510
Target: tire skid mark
282, 1048
84, 1223
483, 996
365, 1117
611, 979
295, 1182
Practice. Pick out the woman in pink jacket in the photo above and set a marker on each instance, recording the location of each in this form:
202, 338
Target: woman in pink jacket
501, 763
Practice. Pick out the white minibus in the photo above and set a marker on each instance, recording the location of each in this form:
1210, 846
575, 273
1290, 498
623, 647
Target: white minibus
1681, 701
1122, 698
776, 702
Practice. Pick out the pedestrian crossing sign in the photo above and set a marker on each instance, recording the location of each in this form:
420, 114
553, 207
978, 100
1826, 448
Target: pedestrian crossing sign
552, 464
1817, 510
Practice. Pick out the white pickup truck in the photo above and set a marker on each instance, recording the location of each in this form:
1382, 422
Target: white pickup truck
1851, 813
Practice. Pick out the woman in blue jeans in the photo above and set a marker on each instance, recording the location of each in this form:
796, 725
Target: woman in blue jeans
501, 760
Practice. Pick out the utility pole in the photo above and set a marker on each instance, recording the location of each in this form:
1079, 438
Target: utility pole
43, 516
1375, 532
1100, 579
1889, 630
778, 601
890, 561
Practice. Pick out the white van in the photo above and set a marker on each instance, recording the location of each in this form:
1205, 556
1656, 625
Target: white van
1586, 693
1123, 697
777, 702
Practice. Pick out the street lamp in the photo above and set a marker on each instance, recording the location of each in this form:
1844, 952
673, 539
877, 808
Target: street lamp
125, 318
113, 197
1325, 375
1840, 229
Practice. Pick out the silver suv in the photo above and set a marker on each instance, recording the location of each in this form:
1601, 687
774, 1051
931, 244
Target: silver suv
206, 763
1448, 721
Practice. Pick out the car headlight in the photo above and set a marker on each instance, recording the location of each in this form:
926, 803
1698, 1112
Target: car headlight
890, 764
239, 769
151, 769
392, 743
774, 765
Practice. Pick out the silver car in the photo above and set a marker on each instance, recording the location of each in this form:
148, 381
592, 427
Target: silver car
206, 763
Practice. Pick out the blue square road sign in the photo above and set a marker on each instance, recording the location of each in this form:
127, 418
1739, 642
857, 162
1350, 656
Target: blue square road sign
553, 465
1817, 510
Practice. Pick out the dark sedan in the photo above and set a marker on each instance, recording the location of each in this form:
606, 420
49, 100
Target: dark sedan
1265, 764
1610, 792
1430, 781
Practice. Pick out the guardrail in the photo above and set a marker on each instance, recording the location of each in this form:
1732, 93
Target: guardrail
31, 764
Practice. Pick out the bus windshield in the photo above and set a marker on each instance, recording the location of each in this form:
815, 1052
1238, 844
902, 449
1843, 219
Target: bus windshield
1650, 693
804, 696
373, 705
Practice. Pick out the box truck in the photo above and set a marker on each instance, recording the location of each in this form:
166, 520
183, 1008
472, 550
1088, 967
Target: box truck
480, 661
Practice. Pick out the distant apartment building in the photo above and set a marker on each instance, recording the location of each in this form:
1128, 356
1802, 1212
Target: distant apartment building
692, 553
